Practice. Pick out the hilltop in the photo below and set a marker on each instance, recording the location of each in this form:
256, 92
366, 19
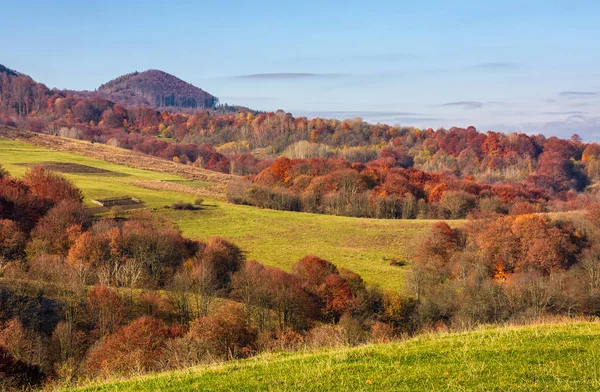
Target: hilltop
157, 89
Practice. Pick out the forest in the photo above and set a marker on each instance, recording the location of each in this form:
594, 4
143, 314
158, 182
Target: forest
329, 166
90, 297
87, 296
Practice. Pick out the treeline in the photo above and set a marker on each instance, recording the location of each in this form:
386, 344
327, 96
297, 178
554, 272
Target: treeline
84, 297
509, 269
489, 157
345, 167
390, 188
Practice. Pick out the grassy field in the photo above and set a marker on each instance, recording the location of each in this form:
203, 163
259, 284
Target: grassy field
117, 182
548, 357
280, 238
277, 238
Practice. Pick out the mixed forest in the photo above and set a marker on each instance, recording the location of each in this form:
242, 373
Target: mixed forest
85, 296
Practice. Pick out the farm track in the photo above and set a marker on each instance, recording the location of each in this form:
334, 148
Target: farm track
128, 158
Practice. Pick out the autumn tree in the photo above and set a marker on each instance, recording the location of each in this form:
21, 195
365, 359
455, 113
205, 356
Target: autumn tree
51, 187
56, 232
139, 346
222, 259
225, 334
105, 310
12, 240
321, 278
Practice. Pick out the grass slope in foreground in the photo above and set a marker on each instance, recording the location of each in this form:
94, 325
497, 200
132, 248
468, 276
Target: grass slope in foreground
545, 357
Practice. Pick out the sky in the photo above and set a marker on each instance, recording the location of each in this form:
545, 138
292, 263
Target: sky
530, 66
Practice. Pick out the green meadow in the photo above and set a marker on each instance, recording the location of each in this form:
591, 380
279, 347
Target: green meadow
277, 238
545, 357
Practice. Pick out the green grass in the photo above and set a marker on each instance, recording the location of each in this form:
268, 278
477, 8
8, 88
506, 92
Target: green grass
94, 186
280, 238
548, 357
277, 238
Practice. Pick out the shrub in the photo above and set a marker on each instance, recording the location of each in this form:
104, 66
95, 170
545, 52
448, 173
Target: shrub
382, 332
137, 347
225, 334
179, 205
326, 335
50, 186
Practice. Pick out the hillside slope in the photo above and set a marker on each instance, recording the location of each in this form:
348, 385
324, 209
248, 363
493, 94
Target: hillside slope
544, 357
156, 89
127, 158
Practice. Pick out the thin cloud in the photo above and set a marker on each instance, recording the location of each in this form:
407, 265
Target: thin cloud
586, 127
468, 105
388, 117
568, 113
288, 76
578, 94
364, 113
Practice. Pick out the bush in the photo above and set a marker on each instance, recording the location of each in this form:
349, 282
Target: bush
326, 335
225, 334
382, 332
137, 347
184, 206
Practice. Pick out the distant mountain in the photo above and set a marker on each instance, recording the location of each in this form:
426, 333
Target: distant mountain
157, 89
20, 94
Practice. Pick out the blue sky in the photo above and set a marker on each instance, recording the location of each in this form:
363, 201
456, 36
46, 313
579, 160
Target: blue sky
502, 65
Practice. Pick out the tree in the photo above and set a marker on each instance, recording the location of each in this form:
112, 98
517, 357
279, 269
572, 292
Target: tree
225, 334
58, 230
322, 279
222, 259
105, 310
51, 187
139, 346
12, 240
544, 247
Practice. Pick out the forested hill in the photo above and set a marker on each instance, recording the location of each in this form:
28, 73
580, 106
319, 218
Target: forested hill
20, 95
157, 89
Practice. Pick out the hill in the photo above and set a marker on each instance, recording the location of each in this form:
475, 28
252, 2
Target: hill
21, 95
276, 238
156, 89
544, 357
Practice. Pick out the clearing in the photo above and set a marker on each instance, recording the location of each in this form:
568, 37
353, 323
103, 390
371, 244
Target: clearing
277, 238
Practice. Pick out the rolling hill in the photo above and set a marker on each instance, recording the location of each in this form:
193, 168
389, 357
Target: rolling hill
276, 238
545, 357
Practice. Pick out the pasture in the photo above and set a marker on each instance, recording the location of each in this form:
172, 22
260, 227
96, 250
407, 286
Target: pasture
278, 238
